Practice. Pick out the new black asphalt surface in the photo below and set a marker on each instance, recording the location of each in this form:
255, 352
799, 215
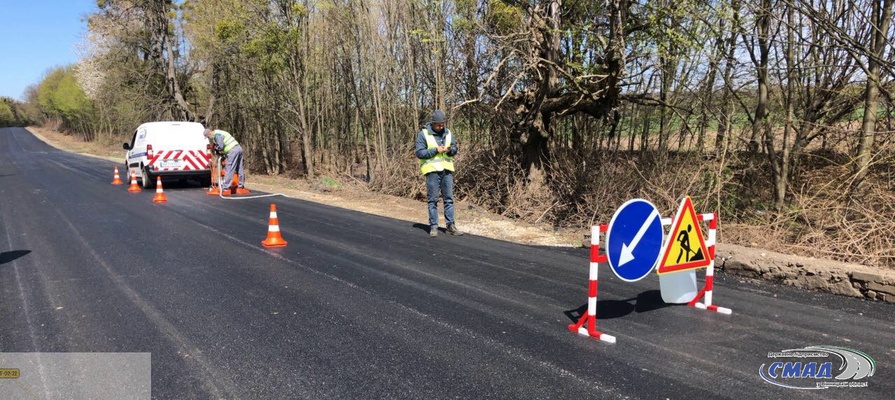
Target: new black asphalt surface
360, 306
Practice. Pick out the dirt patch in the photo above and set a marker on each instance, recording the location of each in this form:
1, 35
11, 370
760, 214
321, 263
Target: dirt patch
802, 272
807, 273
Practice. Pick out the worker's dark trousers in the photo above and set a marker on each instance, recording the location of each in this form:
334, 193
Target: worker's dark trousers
234, 165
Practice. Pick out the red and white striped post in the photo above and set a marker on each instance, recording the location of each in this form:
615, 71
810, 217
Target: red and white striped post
706, 291
590, 318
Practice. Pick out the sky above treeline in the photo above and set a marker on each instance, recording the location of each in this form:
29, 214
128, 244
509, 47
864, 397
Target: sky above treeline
37, 36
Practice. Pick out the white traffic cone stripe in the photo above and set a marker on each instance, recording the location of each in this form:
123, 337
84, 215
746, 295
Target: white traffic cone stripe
274, 228
273, 214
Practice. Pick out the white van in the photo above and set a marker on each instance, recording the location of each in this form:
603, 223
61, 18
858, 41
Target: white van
169, 149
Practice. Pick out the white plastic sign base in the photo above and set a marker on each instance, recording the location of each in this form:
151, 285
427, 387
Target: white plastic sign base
678, 288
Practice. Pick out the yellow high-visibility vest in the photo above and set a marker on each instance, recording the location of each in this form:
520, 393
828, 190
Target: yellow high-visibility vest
229, 141
441, 161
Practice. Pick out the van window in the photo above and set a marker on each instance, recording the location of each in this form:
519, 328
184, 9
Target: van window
133, 139
141, 137
177, 137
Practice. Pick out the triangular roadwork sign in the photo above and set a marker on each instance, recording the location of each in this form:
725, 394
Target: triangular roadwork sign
685, 248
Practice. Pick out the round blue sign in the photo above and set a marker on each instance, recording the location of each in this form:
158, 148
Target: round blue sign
634, 240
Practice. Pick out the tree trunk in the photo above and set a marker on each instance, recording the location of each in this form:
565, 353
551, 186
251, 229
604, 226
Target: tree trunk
763, 31
535, 153
173, 86
302, 114
665, 86
645, 129
724, 123
781, 172
881, 18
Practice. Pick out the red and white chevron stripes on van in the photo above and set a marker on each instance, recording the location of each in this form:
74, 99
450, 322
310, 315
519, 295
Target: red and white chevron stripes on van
179, 160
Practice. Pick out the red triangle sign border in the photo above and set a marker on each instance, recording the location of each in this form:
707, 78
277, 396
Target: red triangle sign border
686, 206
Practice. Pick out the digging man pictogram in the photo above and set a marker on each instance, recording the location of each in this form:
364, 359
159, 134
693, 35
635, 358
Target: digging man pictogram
683, 238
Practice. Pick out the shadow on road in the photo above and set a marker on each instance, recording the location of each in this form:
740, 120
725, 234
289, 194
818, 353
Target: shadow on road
650, 300
8, 256
607, 309
175, 183
424, 227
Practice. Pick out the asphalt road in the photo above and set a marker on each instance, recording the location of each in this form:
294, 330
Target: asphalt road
360, 306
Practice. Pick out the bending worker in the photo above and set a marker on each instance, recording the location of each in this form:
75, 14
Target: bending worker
226, 144
435, 147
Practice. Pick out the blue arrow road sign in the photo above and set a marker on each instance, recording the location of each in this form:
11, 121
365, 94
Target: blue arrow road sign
634, 240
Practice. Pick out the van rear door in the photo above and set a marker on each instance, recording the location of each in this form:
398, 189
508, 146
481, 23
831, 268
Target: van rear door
179, 160
179, 148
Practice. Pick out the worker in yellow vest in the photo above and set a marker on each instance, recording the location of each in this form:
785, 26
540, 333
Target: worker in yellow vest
436, 148
226, 144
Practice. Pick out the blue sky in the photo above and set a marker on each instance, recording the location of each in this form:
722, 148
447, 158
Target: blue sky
36, 36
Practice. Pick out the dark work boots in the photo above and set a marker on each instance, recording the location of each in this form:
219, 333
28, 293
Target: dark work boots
452, 229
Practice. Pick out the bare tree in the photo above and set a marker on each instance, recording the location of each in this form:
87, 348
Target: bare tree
880, 20
545, 85
152, 37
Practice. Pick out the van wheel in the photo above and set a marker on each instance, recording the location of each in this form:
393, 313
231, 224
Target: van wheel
148, 179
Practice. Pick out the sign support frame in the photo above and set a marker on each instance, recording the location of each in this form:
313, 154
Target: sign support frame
590, 317
706, 292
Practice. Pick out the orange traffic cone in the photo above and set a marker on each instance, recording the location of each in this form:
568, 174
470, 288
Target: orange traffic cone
237, 189
274, 239
159, 193
234, 187
234, 184
134, 187
117, 180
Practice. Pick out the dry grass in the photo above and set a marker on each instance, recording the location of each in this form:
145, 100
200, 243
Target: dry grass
105, 149
821, 221
824, 222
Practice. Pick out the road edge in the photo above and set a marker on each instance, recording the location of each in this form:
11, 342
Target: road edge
854, 280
